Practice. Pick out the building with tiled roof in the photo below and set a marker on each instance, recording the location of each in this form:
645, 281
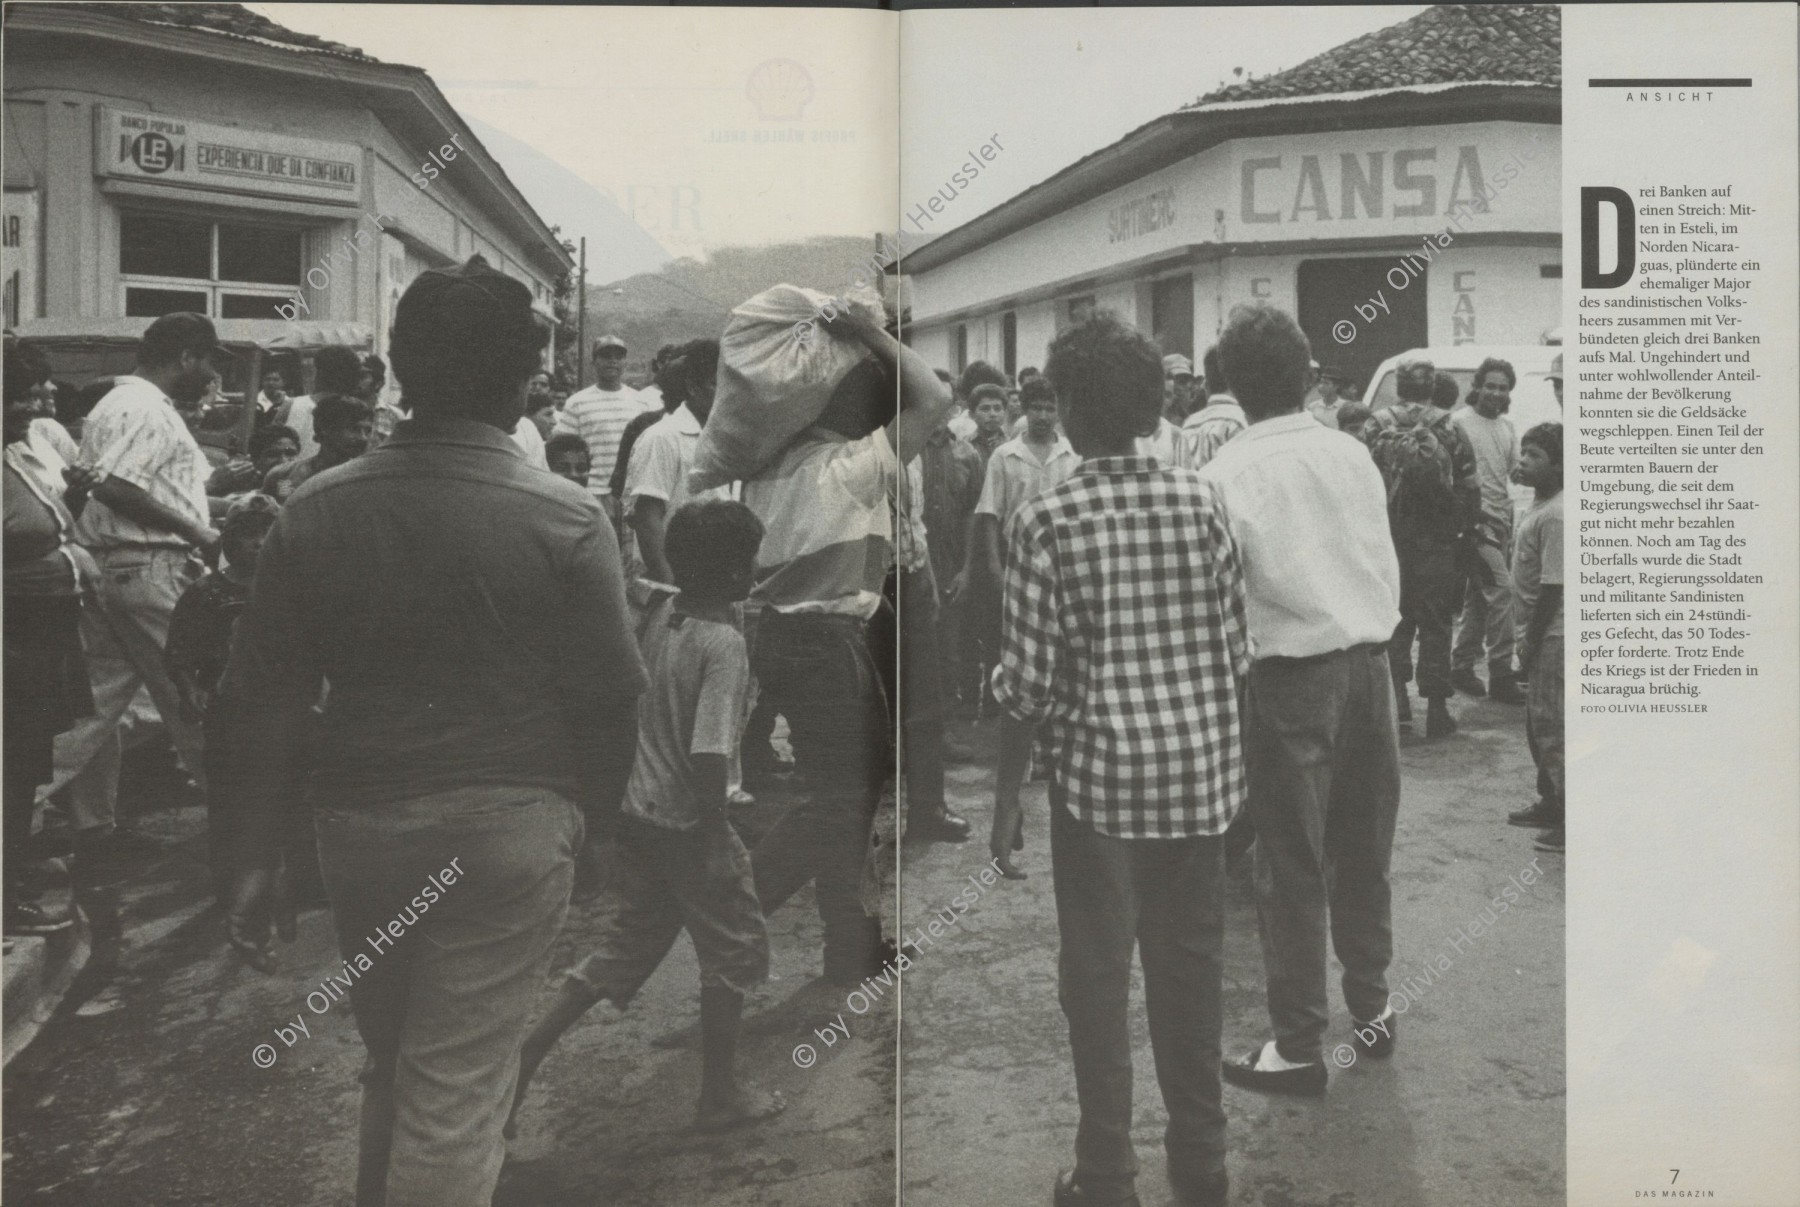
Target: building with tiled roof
1314, 189
163, 157
1449, 44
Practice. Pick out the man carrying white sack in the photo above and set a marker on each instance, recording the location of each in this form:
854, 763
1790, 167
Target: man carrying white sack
823, 501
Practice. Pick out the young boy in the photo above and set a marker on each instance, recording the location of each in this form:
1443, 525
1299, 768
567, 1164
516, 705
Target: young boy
567, 455
1119, 582
989, 410
198, 645
680, 864
1537, 580
344, 426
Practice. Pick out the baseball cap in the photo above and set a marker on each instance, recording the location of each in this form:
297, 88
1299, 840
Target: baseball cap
181, 331
1177, 365
608, 341
1556, 367
249, 511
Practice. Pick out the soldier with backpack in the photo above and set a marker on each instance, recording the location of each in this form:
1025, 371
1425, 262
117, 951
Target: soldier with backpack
1434, 504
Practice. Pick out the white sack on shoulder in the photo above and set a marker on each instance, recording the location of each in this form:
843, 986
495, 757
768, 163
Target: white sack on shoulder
778, 367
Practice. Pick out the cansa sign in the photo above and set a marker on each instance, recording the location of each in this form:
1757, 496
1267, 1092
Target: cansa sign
1412, 182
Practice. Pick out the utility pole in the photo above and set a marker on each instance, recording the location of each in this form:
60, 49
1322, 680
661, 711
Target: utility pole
581, 340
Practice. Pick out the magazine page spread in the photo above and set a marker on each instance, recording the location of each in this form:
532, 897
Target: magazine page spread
813, 606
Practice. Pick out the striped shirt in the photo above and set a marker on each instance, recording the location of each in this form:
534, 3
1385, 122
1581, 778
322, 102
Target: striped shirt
599, 418
1207, 429
1125, 636
828, 526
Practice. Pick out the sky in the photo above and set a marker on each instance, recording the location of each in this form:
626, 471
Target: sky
706, 128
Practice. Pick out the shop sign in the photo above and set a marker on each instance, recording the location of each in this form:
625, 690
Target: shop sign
172, 150
1318, 186
1141, 216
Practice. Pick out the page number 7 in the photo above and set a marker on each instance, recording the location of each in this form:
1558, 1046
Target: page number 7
1677, 1174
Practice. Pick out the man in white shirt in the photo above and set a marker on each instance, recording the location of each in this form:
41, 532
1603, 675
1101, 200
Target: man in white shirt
525, 434
656, 480
1326, 397
1020, 470
1308, 510
146, 518
1487, 614
599, 414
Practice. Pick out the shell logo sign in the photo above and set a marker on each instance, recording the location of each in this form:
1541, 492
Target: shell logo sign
780, 89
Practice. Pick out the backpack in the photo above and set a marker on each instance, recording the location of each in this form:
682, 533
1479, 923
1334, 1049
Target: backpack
1412, 450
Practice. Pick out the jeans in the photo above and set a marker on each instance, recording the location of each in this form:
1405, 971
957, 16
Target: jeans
443, 1008
922, 693
1487, 612
1324, 768
1429, 590
1165, 897
1544, 718
819, 673
123, 630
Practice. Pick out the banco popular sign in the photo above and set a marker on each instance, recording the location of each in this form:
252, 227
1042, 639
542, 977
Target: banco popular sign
172, 150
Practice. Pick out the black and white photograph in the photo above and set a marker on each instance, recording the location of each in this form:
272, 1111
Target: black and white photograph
1248, 649
831, 607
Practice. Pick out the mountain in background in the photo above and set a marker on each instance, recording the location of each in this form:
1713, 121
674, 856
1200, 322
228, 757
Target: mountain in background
616, 245
691, 299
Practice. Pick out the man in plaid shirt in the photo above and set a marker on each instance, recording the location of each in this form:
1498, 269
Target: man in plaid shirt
1125, 637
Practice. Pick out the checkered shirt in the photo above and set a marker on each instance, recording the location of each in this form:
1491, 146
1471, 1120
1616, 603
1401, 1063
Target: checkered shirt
1125, 635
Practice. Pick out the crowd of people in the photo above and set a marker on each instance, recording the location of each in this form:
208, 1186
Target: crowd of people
489, 623
1448, 463
1216, 651
494, 629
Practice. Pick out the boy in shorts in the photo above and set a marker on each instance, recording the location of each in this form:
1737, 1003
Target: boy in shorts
679, 863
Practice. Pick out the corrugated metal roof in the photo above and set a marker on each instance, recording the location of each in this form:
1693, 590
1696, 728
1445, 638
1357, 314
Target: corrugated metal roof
1448, 44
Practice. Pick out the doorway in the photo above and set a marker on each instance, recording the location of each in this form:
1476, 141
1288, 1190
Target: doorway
1329, 292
